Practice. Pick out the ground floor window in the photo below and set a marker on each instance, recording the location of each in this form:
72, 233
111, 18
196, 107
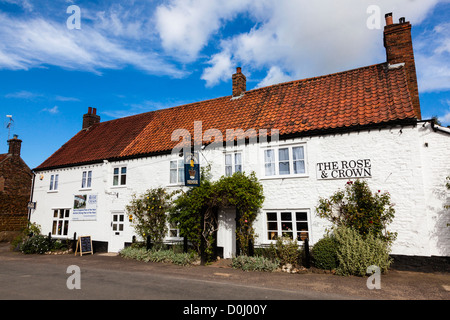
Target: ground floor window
287, 223
60, 222
118, 222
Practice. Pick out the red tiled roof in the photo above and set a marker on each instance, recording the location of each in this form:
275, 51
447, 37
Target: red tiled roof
365, 96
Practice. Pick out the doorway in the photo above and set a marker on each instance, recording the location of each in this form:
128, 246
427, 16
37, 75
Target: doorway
226, 233
117, 239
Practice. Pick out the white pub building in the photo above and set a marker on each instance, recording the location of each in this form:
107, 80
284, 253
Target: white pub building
357, 124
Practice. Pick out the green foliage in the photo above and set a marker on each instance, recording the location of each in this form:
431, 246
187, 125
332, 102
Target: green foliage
254, 263
355, 253
241, 191
165, 256
286, 251
358, 208
324, 253
150, 213
36, 244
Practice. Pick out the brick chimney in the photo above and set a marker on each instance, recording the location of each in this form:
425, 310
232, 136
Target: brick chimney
90, 118
239, 83
399, 49
14, 146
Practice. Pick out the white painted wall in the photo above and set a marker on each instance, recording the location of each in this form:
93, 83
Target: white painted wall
412, 173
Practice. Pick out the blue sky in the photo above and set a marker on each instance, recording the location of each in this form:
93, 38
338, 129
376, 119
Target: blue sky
135, 56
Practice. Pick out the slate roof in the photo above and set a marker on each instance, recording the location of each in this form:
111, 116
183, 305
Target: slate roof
351, 100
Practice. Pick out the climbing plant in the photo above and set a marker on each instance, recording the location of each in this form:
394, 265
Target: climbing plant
244, 192
149, 213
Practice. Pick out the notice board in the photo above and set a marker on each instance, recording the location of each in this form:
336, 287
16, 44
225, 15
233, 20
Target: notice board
84, 244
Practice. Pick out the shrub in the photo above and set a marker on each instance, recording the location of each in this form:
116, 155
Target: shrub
324, 253
36, 244
287, 251
247, 263
166, 256
356, 253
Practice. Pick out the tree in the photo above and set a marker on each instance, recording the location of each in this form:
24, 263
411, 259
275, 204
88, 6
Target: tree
149, 213
360, 209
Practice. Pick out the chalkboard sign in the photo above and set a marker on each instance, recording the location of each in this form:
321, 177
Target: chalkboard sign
85, 245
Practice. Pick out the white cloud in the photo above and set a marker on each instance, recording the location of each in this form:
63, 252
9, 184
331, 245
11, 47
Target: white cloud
432, 55
221, 69
185, 26
307, 39
275, 75
28, 43
53, 110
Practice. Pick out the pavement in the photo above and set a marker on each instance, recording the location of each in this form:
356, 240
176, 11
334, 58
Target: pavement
395, 285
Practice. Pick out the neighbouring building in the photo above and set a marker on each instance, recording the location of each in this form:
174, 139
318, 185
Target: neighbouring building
15, 186
359, 124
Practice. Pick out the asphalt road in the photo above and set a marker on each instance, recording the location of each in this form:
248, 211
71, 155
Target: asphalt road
175, 290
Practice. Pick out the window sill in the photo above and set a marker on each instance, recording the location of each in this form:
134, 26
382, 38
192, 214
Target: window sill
52, 191
85, 189
118, 187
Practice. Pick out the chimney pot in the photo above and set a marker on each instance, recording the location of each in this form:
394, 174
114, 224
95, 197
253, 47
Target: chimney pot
401, 20
94, 111
89, 110
388, 17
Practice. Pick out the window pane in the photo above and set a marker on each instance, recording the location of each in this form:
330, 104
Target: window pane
228, 160
272, 226
271, 216
238, 168
89, 179
286, 226
114, 227
287, 234
66, 227
302, 226
61, 213
55, 213
173, 175
228, 171
60, 227
55, 185
121, 218
283, 154
297, 153
83, 180
67, 213
55, 223
173, 164
115, 180
181, 175
173, 233
301, 236
284, 168
269, 156
116, 170
286, 216
114, 217
272, 235
120, 227
51, 182
237, 158
270, 169
123, 179
299, 166
123, 170
301, 216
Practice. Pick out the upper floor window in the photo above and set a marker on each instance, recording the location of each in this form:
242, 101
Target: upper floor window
120, 176
54, 182
289, 160
86, 180
176, 171
233, 163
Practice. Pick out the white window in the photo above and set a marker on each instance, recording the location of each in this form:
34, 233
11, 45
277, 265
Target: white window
174, 232
233, 163
118, 220
288, 223
86, 179
120, 176
281, 161
54, 182
176, 171
60, 222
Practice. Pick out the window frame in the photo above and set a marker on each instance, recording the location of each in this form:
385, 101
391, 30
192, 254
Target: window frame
180, 180
60, 224
86, 179
54, 183
233, 164
120, 175
275, 164
293, 221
